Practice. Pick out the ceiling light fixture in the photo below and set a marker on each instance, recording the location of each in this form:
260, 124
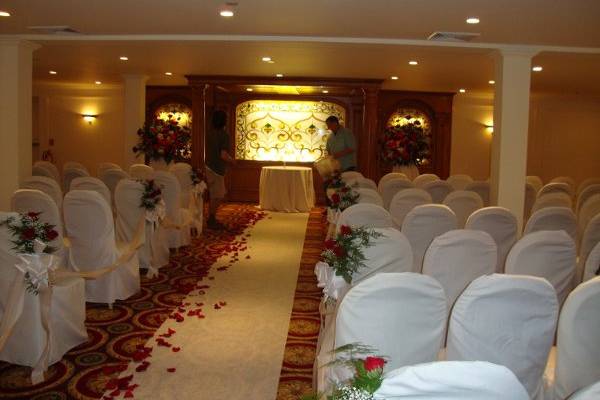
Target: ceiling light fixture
227, 13
491, 82
462, 90
4, 14
227, 9
537, 68
472, 20
279, 75
394, 78
98, 83
168, 73
325, 91
52, 72
124, 58
413, 62
249, 89
266, 59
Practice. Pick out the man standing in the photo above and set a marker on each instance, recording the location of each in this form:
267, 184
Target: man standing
217, 158
341, 144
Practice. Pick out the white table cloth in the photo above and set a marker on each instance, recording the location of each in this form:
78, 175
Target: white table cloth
287, 189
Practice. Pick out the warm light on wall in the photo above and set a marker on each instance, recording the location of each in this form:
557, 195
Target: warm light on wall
89, 118
489, 128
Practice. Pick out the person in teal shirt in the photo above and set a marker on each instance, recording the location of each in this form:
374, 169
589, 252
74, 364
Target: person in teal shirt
341, 144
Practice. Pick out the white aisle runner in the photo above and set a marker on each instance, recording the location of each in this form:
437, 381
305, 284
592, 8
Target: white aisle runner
236, 351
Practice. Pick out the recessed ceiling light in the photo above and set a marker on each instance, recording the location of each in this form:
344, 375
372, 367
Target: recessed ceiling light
226, 12
472, 20
267, 59
52, 72
4, 14
123, 58
249, 89
168, 73
491, 82
462, 90
325, 91
394, 78
279, 75
98, 83
413, 62
537, 68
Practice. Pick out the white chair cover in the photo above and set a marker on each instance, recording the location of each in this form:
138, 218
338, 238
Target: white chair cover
365, 183
74, 164
90, 228
171, 192
367, 215
588, 210
351, 175
38, 170
46, 185
591, 267
530, 197
591, 392
91, 183
111, 177
585, 194
31, 200
369, 196
402, 315
555, 199
71, 173
553, 219
388, 176
514, 325
501, 224
568, 180
587, 182
106, 165
49, 167
422, 225
404, 201
451, 380
556, 187
591, 237
155, 252
482, 188
438, 190
422, 179
182, 172
577, 350
391, 187
547, 254
463, 203
457, 258
459, 181
27, 342
141, 171
536, 181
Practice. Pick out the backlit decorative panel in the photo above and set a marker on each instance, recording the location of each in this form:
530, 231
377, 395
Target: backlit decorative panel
280, 130
406, 115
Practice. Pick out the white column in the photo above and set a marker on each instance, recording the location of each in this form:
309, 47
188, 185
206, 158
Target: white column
15, 115
134, 113
511, 123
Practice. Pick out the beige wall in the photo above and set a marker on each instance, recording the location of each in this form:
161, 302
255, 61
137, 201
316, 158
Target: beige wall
564, 136
60, 108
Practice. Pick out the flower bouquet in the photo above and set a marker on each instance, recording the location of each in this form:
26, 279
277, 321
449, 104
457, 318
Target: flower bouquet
163, 140
404, 145
152, 195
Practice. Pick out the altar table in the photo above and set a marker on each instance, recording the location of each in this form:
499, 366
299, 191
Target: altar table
287, 189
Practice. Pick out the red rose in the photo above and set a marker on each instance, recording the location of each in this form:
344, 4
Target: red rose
345, 189
335, 198
330, 244
345, 230
372, 363
28, 234
339, 251
33, 215
51, 234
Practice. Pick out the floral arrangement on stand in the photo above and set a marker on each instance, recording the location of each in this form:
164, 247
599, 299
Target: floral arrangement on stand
164, 140
29, 235
367, 377
344, 253
405, 144
340, 194
152, 195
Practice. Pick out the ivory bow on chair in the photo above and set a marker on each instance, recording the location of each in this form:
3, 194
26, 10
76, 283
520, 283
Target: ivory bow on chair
195, 204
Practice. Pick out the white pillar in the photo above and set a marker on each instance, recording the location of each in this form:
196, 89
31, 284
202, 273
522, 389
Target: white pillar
511, 123
134, 113
15, 115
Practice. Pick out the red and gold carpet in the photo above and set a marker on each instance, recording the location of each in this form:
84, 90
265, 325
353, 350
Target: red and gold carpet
297, 369
116, 335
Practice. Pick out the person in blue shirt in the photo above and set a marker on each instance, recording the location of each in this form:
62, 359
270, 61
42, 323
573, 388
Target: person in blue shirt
341, 144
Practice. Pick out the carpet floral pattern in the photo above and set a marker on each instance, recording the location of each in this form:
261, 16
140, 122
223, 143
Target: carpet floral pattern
120, 335
297, 369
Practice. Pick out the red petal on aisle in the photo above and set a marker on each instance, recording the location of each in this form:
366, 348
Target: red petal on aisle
175, 349
171, 369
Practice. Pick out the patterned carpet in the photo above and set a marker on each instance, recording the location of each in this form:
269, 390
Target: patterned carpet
119, 335
297, 369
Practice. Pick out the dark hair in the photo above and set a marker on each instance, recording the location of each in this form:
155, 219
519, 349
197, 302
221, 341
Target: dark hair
333, 119
219, 119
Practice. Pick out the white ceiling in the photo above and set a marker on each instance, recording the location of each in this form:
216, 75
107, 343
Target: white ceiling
89, 57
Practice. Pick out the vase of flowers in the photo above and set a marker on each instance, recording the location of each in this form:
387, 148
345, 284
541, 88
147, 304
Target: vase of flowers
405, 147
163, 141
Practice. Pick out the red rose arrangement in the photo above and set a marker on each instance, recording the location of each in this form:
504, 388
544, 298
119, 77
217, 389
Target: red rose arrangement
26, 229
344, 253
152, 195
404, 144
166, 140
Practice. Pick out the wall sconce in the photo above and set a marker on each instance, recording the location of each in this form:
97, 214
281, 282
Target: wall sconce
489, 129
89, 118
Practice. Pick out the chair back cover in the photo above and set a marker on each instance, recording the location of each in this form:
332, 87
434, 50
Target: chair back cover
369, 196
365, 183
391, 187
351, 175
553, 219
74, 164
31, 200
106, 165
554, 199
422, 225
568, 180
111, 177
390, 252
457, 258
451, 380
141, 171
536, 181
404, 201
422, 179
71, 173
556, 187
49, 167
182, 172
365, 214
402, 315
482, 188
530, 197
591, 392
506, 320
46, 185
501, 224
463, 203
171, 192
38, 170
438, 190
587, 182
588, 210
91, 183
591, 267
459, 181
546, 254
577, 350
591, 236
585, 194
388, 176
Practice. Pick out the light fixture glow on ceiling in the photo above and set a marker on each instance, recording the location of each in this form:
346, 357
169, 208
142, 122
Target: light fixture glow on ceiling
98, 82
168, 73
491, 82
325, 91
124, 58
472, 20
226, 12
4, 14
462, 90
394, 78
279, 75
266, 59
413, 62
52, 72
537, 68
249, 89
